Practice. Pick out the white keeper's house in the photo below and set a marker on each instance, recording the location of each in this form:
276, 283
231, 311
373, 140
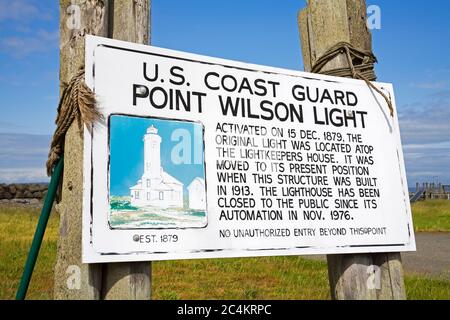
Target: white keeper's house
156, 187
197, 194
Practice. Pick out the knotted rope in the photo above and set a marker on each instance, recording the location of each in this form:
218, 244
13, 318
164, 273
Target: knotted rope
77, 102
360, 66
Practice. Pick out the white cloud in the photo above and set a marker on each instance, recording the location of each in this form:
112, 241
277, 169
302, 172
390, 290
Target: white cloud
20, 47
23, 175
425, 163
23, 157
439, 145
6, 125
431, 85
430, 174
17, 10
426, 121
425, 130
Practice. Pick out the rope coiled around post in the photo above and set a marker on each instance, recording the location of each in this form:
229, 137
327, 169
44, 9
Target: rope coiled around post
361, 65
77, 102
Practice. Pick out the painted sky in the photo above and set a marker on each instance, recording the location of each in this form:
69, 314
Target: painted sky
181, 151
412, 47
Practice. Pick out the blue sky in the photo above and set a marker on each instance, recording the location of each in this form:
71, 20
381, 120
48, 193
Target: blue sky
412, 47
126, 168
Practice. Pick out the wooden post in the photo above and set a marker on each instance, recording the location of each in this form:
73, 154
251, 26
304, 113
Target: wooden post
130, 22
126, 20
322, 24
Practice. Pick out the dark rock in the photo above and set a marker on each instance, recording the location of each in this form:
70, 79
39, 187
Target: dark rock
23, 190
33, 187
37, 195
7, 195
27, 194
34, 201
21, 201
19, 194
20, 186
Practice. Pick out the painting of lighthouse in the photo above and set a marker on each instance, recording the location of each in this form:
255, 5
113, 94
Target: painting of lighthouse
156, 187
150, 187
197, 194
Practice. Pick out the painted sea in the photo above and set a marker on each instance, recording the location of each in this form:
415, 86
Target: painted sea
125, 216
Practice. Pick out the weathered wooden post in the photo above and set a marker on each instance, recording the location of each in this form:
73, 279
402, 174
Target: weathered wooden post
125, 20
323, 24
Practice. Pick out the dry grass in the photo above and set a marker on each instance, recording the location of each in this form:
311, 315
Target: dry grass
431, 216
17, 226
249, 278
244, 278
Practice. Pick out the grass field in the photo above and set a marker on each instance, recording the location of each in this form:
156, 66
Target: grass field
249, 278
431, 215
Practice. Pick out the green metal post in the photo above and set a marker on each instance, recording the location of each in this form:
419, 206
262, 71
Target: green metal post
40, 230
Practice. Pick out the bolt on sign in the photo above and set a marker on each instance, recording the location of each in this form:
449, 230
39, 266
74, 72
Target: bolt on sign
199, 157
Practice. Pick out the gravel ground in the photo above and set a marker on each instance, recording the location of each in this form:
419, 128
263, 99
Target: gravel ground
431, 258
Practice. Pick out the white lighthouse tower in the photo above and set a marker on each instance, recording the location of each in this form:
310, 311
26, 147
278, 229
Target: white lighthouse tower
152, 154
156, 187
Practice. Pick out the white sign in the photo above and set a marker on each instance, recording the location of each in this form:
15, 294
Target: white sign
201, 157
